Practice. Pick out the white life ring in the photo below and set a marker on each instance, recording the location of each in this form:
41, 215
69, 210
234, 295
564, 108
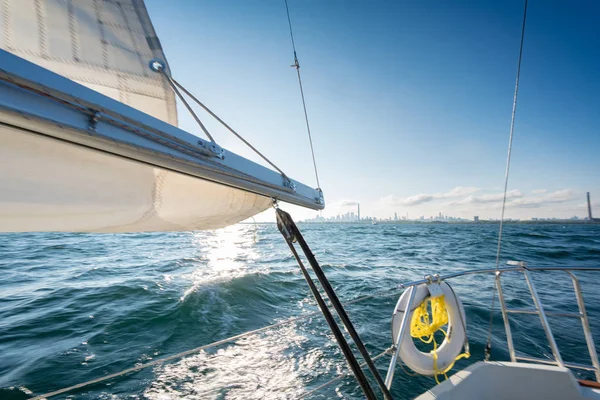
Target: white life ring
451, 347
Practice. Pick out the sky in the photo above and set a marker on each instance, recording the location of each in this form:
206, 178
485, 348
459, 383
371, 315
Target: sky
409, 101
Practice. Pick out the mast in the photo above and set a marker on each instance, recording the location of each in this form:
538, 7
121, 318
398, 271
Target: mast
589, 204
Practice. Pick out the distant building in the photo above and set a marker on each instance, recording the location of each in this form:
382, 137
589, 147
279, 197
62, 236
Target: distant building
395, 216
476, 218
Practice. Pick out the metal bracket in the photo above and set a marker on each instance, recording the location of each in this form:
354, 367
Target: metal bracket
213, 149
94, 118
434, 289
288, 183
320, 199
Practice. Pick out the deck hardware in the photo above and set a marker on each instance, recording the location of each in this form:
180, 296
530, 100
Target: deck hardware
94, 118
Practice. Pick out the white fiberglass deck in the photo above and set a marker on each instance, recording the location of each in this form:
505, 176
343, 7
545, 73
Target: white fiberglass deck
511, 381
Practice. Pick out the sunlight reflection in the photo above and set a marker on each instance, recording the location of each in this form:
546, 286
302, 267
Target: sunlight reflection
226, 254
267, 366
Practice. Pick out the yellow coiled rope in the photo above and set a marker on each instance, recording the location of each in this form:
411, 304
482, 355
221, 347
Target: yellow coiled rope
423, 326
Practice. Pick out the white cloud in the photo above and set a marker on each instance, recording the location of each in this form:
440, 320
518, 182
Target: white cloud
460, 191
539, 191
345, 203
468, 201
516, 199
490, 198
594, 204
421, 198
560, 196
417, 199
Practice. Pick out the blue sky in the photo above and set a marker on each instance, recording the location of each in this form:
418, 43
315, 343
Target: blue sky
409, 101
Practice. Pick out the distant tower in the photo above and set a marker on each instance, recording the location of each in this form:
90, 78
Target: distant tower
358, 210
589, 207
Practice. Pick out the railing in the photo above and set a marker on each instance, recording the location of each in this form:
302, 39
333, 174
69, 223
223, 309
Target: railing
539, 310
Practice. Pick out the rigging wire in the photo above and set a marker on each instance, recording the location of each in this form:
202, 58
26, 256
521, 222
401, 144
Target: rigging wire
488, 346
297, 66
229, 128
139, 367
185, 103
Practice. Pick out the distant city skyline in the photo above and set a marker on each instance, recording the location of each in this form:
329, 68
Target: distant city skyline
351, 216
466, 203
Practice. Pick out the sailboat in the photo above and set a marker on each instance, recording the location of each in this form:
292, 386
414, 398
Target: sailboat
89, 143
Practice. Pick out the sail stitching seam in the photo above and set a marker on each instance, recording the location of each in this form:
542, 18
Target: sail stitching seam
102, 35
138, 78
133, 41
7, 24
42, 32
73, 30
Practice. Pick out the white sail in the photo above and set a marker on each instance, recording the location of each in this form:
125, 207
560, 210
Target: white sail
72, 160
103, 44
62, 187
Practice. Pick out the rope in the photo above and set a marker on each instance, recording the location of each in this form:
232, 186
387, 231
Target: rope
423, 327
215, 116
297, 66
488, 346
139, 367
342, 376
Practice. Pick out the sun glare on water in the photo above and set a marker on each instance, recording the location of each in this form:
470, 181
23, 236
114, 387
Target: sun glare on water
270, 365
267, 366
225, 255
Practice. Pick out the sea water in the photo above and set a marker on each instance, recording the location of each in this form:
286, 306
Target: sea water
74, 307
